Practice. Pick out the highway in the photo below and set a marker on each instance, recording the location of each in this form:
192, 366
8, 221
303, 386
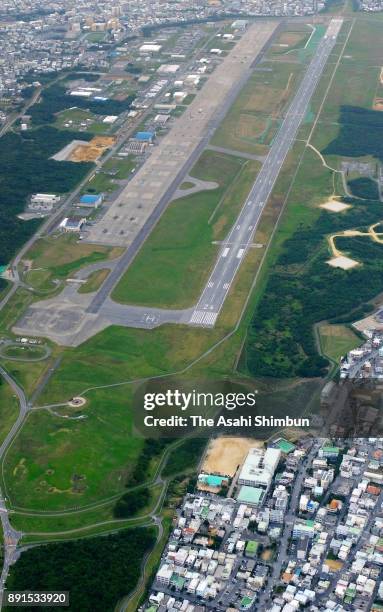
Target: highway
241, 236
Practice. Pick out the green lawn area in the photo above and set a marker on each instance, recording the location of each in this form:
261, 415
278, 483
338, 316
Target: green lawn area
56, 258
58, 462
252, 120
76, 115
121, 167
24, 352
337, 340
94, 281
96, 37
15, 306
179, 253
100, 183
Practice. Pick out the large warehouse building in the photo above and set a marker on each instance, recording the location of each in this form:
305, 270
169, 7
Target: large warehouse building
259, 467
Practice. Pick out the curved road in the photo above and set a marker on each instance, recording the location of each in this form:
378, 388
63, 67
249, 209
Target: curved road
11, 536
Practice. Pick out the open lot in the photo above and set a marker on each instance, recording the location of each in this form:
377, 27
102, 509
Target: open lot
225, 454
92, 150
337, 340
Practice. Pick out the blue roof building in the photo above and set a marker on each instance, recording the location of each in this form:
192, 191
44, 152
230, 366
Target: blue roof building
91, 201
145, 136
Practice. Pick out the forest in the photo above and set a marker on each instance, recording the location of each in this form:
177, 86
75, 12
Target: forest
54, 99
365, 188
97, 572
303, 290
26, 169
361, 133
131, 503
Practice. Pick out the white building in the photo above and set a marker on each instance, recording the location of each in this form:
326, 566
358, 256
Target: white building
259, 467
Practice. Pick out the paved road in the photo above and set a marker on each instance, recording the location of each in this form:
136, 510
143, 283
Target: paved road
11, 536
241, 236
235, 153
288, 528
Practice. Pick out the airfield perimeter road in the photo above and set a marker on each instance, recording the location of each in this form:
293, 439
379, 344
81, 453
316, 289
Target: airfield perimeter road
241, 236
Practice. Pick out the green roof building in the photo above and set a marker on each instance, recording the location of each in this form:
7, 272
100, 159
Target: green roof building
213, 481
285, 446
253, 496
246, 602
251, 548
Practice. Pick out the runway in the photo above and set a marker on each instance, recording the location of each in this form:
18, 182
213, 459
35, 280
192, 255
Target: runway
169, 163
241, 236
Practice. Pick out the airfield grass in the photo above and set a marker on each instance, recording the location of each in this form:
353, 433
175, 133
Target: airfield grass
100, 183
288, 41
57, 257
77, 521
337, 340
122, 167
260, 102
56, 463
179, 253
29, 374
15, 306
94, 281
23, 352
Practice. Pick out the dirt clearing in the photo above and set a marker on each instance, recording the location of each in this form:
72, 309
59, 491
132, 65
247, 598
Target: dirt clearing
224, 455
92, 150
346, 263
335, 206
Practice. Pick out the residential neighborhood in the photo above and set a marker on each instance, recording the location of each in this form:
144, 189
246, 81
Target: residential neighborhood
302, 529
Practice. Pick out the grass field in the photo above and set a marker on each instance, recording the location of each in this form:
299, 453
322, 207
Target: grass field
183, 239
55, 258
337, 340
61, 468
94, 281
100, 183
24, 352
121, 168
